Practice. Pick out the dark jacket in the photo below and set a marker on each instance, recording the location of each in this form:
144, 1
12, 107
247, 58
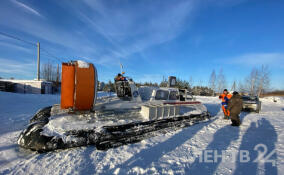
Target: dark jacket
235, 104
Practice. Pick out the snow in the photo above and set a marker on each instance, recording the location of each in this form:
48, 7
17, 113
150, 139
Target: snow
82, 64
277, 100
172, 152
61, 123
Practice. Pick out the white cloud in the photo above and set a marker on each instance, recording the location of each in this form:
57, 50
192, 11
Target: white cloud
27, 8
154, 78
17, 68
131, 30
257, 59
109, 32
58, 39
16, 47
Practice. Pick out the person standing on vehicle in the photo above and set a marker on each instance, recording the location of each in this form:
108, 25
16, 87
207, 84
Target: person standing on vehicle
120, 77
225, 97
235, 106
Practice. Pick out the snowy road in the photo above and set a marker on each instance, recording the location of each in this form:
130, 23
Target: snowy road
191, 150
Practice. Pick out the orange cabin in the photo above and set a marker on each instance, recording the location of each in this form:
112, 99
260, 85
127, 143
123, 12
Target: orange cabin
78, 86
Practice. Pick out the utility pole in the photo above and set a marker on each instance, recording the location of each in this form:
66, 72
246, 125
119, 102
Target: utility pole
38, 61
57, 75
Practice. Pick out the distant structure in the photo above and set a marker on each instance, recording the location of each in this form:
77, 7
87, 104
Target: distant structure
101, 86
172, 81
202, 91
26, 86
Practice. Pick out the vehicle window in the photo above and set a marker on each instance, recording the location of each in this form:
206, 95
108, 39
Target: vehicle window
173, 95
182, 92
189, 96
252, 98
249, 98
162, 95
246, 98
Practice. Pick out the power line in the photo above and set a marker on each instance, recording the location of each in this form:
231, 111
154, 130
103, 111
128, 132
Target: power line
51, 55
17, 38
33, 44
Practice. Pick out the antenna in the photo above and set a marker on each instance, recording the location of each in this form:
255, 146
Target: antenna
38, 61
121, 68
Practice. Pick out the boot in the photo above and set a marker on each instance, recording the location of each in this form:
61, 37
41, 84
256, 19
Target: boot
235, 123
238, 122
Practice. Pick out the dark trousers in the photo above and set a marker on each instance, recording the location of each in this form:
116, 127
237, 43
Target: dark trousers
235, 118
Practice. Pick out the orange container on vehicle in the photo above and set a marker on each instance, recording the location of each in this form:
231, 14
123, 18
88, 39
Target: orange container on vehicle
67, 85
85, 88
78, 87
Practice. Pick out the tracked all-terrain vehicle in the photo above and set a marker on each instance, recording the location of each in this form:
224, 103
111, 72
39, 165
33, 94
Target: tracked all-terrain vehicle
130, 115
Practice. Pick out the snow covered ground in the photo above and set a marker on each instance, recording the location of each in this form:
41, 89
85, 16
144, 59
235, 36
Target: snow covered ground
194, 150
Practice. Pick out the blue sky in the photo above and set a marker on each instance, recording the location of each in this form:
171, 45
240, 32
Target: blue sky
151, 38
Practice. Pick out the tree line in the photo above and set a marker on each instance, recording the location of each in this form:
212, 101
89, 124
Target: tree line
256, 83
50, 72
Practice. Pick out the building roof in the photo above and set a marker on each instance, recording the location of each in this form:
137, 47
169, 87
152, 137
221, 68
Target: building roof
25, 81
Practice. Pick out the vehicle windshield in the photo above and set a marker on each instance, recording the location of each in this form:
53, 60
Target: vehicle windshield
249, 98
162, 95
173, 95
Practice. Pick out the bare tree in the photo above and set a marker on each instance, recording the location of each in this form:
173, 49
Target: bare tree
263, 79
258, 81
200, 82
221, 80
109, 87
48, 72
182, 84
163, 83
241, 87
57, 75
234, 86
190, 82
212, 82
251, 82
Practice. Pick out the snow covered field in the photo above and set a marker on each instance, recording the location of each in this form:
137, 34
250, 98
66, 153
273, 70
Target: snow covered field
193, 150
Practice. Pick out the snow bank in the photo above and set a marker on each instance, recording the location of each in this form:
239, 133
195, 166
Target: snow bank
272, 99
171, 152
82, 64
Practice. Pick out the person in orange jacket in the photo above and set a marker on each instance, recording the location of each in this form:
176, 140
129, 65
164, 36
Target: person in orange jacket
225, 97
120, 77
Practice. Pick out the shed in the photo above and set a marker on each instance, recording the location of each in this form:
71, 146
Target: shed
28, 86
